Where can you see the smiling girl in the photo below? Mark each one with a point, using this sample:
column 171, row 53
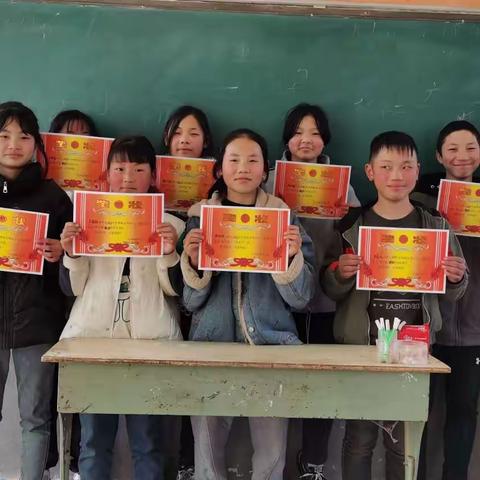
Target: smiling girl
column 262, row 314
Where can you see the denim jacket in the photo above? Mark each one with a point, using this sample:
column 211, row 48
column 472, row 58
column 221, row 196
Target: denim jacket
column 260, row 302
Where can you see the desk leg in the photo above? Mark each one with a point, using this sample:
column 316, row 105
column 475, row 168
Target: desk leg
column 413, row 439
column 65, row 442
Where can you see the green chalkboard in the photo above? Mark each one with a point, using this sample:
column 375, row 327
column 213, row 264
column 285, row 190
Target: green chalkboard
column 129, row 68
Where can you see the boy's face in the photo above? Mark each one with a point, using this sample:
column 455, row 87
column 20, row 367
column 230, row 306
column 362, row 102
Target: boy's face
column 460, row 155
column 394, row 173
column 129, row 177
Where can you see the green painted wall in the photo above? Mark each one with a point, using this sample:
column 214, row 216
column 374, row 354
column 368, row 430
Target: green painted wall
column 129, row 68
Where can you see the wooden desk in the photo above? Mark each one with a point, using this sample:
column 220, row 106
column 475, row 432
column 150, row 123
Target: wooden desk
column 187, row 378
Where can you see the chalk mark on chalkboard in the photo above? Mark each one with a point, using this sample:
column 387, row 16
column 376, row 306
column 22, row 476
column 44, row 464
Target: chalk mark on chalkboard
column 304, row 70
column 464, row 115
column 430, row 92
column 90, row 27
column 105, row 104
column 359, row 102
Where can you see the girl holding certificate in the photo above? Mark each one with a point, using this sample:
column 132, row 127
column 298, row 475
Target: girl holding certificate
column 187, row 134
column 251, row 308
column 131, row 299
column 72, row 122
column 458, row 342
column 32, row 306
column 306, row 133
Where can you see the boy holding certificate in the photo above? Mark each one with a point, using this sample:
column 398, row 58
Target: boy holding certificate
column 458, row 343
column 393, row 169
column 124, row 297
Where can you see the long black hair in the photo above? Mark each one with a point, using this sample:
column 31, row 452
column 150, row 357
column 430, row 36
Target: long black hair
column 296, row 115
column 174, row 121
column 71, row 116
column 219, row 185
column 28, row 122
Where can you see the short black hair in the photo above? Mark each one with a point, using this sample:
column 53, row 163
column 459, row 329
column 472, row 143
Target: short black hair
column 133, row 149
column 393, row 140
column 219, row 184
column 455, row 126
column 174, row 121
column 298, row 113
column 70, row 116
column 28, row 122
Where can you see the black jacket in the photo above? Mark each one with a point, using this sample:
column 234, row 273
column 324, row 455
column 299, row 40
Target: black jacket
column 461, row 319
column 32, row 307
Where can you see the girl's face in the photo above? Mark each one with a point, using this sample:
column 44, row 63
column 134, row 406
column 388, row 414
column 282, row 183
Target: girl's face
column 129, row 177
column 460, row 155
column 17, row 149
column 188, row 139
column 76, row 127
column 306, row 145
column 242, row 168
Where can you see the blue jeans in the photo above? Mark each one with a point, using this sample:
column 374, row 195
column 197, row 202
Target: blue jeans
column 98, row 432
column 358, row 445
column 269, row 441
column 35, row 383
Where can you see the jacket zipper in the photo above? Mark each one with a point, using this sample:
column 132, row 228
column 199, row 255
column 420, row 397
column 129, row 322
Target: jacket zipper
column 5, row 187
column 243, row 323
column 116, row 303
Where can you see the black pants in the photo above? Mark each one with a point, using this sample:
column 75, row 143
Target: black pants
column 186, row 453
column 315, row 328
column 462, row 388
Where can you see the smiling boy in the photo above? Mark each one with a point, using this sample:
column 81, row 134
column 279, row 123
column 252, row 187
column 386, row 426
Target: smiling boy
column 393, row 168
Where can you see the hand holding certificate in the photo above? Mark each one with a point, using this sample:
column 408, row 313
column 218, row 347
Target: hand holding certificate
column 21, row 234
column 459, row 203
column 115, row 224
column 313, row 190
column 406, row 260
column 245, row 239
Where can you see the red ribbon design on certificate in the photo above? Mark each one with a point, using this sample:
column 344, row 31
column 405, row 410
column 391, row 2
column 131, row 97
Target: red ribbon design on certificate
column 401, row 282
column 118, row 248
column 72, row 183
column 472, row 228
column 4, row 261
column 243, row 262
column 307, row 209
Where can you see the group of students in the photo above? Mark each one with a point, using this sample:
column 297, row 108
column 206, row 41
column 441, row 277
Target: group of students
column 314, row 301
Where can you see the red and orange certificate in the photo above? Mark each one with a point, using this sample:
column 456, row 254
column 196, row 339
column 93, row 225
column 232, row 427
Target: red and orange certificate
column 116, row 224
column 402, row 259
column 244, row 239
column 20, row 230
column 77, row 162
column 312, row 190
column 183, row 181
column 459, row 203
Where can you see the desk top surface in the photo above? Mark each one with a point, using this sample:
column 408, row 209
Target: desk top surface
column 234, row 355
